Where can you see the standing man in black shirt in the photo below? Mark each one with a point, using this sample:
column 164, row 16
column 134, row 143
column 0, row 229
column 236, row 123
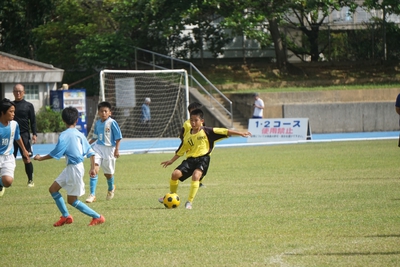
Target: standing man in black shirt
column 25, row 116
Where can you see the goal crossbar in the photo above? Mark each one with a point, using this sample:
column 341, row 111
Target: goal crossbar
column 126, row 90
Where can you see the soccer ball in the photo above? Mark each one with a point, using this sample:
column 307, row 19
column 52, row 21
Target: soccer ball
column 171, row 201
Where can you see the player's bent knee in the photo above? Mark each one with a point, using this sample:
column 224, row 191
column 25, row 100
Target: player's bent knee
column 197, row 175
column 55, row 187
column 7, row 181
column 176, row 175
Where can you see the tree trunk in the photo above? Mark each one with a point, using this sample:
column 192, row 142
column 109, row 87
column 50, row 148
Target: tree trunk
column 281, row 60
column 313, row 36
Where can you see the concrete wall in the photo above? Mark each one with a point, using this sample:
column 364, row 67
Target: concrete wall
column 346, row 117
column 329, row 111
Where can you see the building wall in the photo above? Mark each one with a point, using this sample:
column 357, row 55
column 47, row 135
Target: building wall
column 44, row 93
column 332, row 111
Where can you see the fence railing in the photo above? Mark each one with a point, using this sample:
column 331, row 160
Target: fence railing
column 196, row 78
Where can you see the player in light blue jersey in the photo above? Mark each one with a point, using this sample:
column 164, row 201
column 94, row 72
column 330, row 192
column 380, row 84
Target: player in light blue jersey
column 73, row 145
column 9, row 131
column 106, row 140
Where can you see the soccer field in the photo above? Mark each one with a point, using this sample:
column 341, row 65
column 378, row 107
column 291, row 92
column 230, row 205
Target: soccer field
column 311, row 204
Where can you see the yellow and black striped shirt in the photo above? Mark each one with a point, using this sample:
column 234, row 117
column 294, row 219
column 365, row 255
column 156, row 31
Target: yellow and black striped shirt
column 201, row 143
column 185, row 129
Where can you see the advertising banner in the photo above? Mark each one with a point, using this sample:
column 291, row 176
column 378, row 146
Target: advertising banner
column 279, row 129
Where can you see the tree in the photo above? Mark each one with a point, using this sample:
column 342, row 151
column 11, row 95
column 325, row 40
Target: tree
column 307, row 17
column 204, row 19
column 258, row 20
column 236, row 19
column 81, row 35
column 273, row 12
column 18, row 19
column 388, row 7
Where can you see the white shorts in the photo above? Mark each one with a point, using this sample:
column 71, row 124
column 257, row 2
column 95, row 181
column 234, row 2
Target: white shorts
column 104, row 158
column 71, row 179
column 7, row 165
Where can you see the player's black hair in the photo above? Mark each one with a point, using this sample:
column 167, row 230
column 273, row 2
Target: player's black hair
column 104, row 104
column 5, row 105
column 194, row 105
column 197, row 112
column 70, row 115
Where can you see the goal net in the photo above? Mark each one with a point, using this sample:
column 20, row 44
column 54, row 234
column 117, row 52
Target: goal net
column 127, row 90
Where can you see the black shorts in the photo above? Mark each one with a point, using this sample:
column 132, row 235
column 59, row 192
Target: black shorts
column 26, row 139
column 188, row 166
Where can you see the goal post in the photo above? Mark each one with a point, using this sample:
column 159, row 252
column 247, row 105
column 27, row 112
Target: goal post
column 126, row 90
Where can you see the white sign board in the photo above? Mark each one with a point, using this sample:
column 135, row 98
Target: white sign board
column 277, row 130
column 125, row 92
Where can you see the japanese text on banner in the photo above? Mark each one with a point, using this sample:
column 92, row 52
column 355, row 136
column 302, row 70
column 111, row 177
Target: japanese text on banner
column 287, row 129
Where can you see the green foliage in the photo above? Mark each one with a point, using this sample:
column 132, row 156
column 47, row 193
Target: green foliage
column 105, row 50
column 339, row 47
column 314, row 204
column 48, row 120
column 81, row 36
column 307, row 17
column 74, row 22
column 390, row 6
column 366, row 44
column 392, row 41
column 18, row 19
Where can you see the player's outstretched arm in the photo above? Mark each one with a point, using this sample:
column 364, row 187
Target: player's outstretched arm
column 40, row 158
column 243, row 134
column 165, row 164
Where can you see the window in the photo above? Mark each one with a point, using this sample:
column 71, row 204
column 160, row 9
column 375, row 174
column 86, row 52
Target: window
column 31, row 92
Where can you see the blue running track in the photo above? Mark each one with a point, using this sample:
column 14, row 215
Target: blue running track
column 131, row 146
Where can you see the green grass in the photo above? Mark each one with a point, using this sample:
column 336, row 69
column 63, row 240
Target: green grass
column 314, row 204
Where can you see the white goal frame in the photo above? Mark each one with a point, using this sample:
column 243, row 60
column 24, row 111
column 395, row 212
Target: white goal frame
column 122, row 80
column 103, row 72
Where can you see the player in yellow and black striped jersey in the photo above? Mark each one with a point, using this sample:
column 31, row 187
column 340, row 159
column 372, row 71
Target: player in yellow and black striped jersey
column 197, row 145
column 186, row 127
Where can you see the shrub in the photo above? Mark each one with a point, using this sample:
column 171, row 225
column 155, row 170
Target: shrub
column 48, row 120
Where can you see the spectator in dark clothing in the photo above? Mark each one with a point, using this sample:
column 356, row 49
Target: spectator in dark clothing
column 25, row 116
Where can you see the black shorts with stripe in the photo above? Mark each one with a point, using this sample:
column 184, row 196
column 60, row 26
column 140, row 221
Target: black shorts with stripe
column 188, row 166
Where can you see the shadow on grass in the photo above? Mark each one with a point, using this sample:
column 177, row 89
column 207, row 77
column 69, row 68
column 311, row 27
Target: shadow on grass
column 393, row 235
column 368, row 253
column 355, row 179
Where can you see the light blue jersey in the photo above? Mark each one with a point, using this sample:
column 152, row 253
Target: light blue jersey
column 73, row 145
column 107, row 132
column 8, row 134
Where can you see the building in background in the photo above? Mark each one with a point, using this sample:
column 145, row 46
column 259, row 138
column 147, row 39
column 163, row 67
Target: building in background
column 37, row 77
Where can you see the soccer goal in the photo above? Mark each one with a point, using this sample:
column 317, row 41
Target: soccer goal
column 127, row 90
